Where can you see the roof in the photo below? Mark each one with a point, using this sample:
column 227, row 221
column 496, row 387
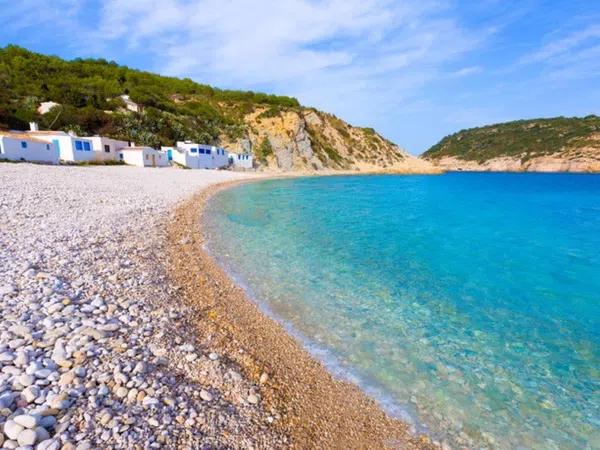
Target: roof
column 20, row 135
column 48, row 132
column 137, row 148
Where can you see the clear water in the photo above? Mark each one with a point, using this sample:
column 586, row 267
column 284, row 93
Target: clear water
column 470, row 302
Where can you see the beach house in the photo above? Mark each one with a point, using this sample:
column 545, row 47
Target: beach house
column 143, row 157
column 70, row 147
column 198, row 156
column 20, row 146
column 241, row 160
column 107, row 149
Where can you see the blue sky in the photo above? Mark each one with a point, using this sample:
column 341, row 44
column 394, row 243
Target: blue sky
column 415, row 70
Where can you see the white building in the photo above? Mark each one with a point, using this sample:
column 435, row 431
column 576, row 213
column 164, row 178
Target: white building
column 46, row 107
column 107, row 149
column 130, row 104
column 20, row 146
column 143, row 157
column 70, row 147
column 241, row 160
column 198, row 156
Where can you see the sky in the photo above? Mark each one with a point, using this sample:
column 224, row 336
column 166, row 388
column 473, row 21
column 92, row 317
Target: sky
column 415, row 70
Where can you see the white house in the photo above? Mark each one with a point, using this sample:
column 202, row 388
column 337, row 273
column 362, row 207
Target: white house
column 20, row 146
column 198, row 156
column 143, row 157
column 241, row 160
column 71, row 148
column 130, row 104
column 107, row 149
column 46, row 107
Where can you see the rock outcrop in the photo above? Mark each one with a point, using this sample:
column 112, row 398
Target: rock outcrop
column 304, row 139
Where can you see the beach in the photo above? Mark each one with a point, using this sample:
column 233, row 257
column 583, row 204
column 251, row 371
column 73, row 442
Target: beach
column 119, row 331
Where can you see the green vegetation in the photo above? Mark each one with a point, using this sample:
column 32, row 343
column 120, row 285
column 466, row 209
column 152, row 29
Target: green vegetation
column 264, row 150
column 324, row 151
column 523, row 139
column 88, row 92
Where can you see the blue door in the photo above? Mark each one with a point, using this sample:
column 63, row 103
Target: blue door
column 170, row 155
column 57, row 145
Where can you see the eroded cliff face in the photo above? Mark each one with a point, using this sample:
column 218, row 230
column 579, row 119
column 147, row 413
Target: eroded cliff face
column 310, row 140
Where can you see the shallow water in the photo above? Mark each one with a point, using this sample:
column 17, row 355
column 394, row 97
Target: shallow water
column 470, row 302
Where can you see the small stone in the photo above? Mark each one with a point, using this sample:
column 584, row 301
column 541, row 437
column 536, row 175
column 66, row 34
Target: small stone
column 12, row 429
column 41, row 434
column 43, row 373
column 26, row 420
column 66, row 378
column 121, row 392
column 253, row 399
column 153, row 422
column 48, row 444
column 84, row 445
column 31, row 393
column 150, row 401
column 263, row 378
column 213, row 356
column 206, row 396
column 26, row 438
column 140, row 368
column 26, row 380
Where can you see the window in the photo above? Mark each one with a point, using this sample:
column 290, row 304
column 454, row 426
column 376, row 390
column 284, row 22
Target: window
column 23, row 144
column 78, row 145
column 194, row 150
column 201, row 151
column 147, row 156
column 86, row 146
column 47, row 146
column 107, row 148
column 208, row 151
column 120, row 155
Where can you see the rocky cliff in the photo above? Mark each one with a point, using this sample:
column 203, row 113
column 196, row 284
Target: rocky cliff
column 304, row 139
column 540, row 145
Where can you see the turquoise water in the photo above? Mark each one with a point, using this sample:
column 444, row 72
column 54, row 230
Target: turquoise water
column 469, row 303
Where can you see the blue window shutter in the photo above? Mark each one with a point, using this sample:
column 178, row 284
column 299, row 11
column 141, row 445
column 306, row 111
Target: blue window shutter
column 78, row 145
column 23, row 144
column 86, row 146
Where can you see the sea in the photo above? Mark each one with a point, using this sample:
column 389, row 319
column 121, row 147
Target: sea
column 467, row 304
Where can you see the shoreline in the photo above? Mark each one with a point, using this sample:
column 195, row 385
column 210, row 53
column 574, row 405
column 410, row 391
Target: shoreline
column 310, row 406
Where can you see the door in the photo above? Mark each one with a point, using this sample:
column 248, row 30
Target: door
column 153, row 160
column 57, row 145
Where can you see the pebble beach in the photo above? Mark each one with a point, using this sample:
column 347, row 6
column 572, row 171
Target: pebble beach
column 95, row 351
column 112, row 337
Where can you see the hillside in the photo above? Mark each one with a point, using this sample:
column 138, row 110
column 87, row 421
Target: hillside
column 282, row 134
column 538, row 145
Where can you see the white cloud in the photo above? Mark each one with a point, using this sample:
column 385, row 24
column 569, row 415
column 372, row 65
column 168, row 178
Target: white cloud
column 565, row 45
column 359, row 58
column 466, row 71
column 573, row 56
